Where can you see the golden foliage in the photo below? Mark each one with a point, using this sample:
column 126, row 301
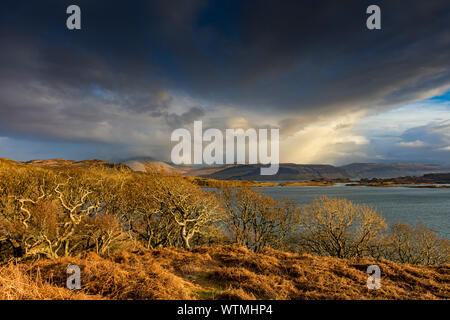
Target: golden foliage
column 221, row 273
column 67, row 211
column 340, row 228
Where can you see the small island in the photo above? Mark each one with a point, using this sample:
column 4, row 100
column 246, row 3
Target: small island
column 431, row 180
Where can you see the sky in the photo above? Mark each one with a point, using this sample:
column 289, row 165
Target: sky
column 137, row 70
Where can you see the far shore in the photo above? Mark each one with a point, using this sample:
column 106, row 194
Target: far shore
column 387, row 185
column 213, row 183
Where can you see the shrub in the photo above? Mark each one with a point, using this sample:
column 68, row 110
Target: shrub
column 339, row 228
column 187, row 207
column 254, row 220
column 60, row 212
column 416, row 244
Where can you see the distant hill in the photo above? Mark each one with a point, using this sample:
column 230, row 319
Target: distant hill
column 140, row 165
column 84, row 164
column 430, row 179
column 137, row 164
column 392, row 170
column 290, row 171
column 287, row 171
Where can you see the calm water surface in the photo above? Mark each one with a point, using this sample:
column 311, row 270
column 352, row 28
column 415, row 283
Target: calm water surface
column 409, row 205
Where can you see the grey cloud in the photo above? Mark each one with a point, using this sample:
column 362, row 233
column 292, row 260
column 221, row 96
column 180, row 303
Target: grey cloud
column 309, row 58
column 425, row 144
column 294, row 61
column 435, row 135
column 290, row 126
column 175, row 121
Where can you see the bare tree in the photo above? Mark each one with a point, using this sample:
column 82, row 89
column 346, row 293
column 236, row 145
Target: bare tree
column 45, row 222
column 255, row 220
column 416, row 244
column 74, row 199
column 339, row 228
column 187, row 205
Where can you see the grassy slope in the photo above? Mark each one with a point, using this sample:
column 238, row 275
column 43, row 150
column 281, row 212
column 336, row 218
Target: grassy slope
column 221, row 273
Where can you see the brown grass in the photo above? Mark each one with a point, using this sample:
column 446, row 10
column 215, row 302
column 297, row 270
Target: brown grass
column 221, row 273
column 17, row 284
column 214, row 183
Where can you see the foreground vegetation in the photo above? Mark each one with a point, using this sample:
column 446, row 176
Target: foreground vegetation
column 52, row 213
column 215, row 183
column 123, row 228
column 221, row 273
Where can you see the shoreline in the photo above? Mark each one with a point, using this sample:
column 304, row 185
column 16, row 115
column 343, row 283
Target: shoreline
column 214, row 183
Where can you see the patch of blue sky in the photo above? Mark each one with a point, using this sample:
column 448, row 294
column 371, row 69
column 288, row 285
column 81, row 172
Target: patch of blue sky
column 102, row 93
column 396, row 121
column 445, row 98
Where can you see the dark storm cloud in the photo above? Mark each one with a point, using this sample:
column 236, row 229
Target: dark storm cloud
column 295, row 59
column 305, row 55
column 176, row 121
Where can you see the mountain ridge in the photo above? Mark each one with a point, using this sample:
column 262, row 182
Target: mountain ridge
column 287, row 171
column 318, row 171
